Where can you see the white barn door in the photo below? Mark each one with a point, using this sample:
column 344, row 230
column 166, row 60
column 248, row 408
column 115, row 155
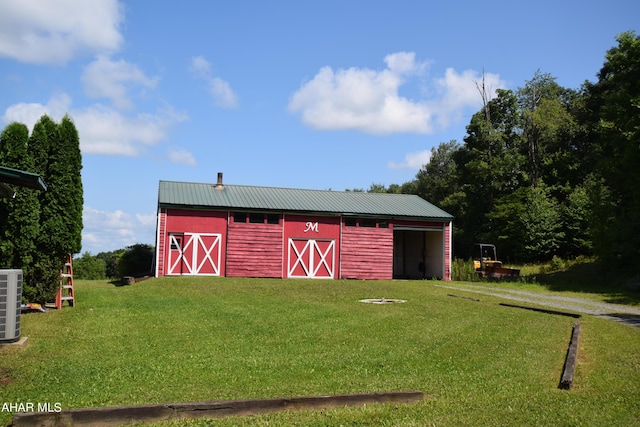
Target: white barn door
column 194, row 254
column 311, row 258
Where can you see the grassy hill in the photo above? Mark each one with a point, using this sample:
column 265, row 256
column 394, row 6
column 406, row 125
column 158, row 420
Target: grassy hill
column 186, row 339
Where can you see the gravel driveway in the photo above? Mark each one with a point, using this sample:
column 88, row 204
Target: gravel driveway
column 618, row 312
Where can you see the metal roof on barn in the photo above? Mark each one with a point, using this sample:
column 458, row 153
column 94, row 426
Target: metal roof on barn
column 253, row 198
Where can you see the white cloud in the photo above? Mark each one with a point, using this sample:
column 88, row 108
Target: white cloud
column 412, row 160
column 105, row 131
column 200, row 66
column 363, row 99
column 181, row 157
column 111, row 230
column 148, row 220
column 369, row 101
column 54, row 31
column 30, row 113
column 458, row 91
column 105, row 78
column 220, row 90
column 404, row 63
column 102, row 130
column 222, row 94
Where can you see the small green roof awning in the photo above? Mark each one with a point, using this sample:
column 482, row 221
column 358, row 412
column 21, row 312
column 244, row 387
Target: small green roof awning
column 21, row 178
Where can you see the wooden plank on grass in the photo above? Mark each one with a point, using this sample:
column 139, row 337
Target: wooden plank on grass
column 572, row 356
column 543, row 310
column 122, row 415
column 469, row 298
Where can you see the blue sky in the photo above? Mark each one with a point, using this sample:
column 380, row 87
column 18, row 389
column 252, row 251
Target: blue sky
column 321, row 95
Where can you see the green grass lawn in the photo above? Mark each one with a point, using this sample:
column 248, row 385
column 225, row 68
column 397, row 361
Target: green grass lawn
column 199, row 339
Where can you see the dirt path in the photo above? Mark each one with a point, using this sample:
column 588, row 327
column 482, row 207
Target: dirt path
column 618, row 312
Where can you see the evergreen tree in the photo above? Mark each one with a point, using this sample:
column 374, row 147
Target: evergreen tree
column 73, row 200
column 41, row 281
column 42, row 136
column 541, row 224
column 575, row 224
column 55, row 152
column 18, row 216
column 61, row 217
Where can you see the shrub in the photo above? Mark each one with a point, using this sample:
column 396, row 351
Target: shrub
column 89, row 267
column 557, row 263
column 41, row 282
column 462, row 270
column 136, row 261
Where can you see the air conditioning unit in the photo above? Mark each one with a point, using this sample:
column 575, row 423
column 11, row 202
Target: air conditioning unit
column 10, row 305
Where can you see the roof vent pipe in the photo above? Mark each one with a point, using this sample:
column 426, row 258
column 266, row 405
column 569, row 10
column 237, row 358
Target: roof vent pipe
column 219, row 183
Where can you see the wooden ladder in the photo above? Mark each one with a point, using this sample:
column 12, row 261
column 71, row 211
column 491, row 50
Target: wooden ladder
column 65, row 293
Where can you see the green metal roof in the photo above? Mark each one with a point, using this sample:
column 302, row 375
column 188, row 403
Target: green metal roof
column 21, row 178
column 241, row 197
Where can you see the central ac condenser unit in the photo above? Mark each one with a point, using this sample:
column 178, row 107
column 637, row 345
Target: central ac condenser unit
column 10, row 305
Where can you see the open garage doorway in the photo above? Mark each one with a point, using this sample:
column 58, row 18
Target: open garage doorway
column 418, row 253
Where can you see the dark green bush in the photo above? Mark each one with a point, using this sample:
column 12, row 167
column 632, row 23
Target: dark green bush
column 137, row 261
column 41, row 282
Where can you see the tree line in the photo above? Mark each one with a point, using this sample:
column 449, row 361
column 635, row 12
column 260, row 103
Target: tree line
column 135, row 260
column 39, row 229
column 545, row 170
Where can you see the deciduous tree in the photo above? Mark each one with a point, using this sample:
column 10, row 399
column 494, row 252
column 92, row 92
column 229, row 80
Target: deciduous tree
column 613, row 104
column 490, row 165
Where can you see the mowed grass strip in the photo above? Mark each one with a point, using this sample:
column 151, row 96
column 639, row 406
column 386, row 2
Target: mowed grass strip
column 198, row 339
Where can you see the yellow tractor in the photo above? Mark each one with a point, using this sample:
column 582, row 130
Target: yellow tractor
column 486, row 264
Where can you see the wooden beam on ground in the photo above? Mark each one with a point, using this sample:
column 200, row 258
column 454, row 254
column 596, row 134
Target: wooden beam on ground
column 122, row 415
column 458, row 296
column 572, row 356
column 543, row 310
column 572, row 353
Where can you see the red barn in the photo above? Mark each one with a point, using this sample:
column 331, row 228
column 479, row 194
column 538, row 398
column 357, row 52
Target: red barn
column 249, row 231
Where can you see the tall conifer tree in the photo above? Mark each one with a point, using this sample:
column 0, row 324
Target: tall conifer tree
column 73, row 199
column 41, row 284
column 20, row 215
column 55, row 150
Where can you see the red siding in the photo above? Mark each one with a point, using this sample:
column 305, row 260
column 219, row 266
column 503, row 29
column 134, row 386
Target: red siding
column 284, row 249
column 193, row 221
column 367, row 253
column 254, row 250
